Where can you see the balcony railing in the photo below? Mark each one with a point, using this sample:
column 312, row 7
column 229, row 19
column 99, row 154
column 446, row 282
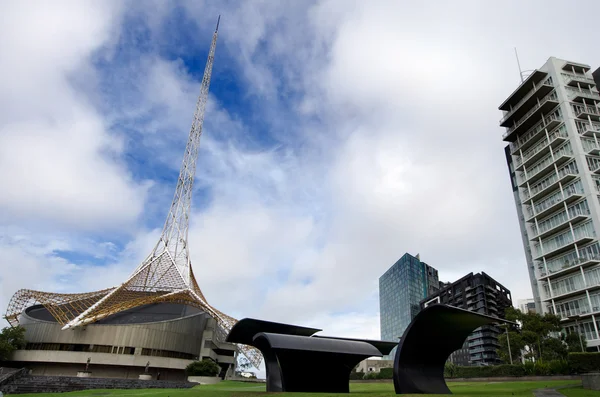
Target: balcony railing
column 547, row 82
column 533, row 132
column 553, row 244
column 582, row 93
column 559, row 132
column 541, row 166
column 551, row 201
column 570, row 285
column 561, row 218
column 582, row 111
column 565, row 173
column 586, row 128
column 573, row 79
column 552, row 96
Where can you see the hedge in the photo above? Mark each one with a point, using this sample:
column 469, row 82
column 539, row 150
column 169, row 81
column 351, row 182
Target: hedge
column 577, row 363
column 554, row 367
column 584, row 362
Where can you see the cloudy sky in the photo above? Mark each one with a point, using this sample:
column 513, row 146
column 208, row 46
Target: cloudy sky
column 339, row 135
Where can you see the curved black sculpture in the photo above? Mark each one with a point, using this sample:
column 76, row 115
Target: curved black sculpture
column 431, row 337
column 289, row 350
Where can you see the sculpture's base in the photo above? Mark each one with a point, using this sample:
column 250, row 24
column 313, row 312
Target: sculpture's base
column 84, row 374
column 145, row 377
column 591, row 381
column 204, row 380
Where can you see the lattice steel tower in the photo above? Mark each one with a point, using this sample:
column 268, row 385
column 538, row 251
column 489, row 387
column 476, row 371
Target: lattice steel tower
column 165, row 275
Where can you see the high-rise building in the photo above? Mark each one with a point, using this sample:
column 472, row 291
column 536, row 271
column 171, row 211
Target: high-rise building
column 526, row 305
column 553, row 128
column 401, row 288
column 482, row 294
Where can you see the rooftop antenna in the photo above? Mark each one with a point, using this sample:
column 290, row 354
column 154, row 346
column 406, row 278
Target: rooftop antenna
column 522, row 73
column 519, row 64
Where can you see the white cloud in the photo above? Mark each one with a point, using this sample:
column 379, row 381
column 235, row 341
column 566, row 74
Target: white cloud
column 56, row 156
column 400, row 148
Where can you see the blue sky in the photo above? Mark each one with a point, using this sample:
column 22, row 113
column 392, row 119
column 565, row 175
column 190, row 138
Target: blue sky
column 339, row 135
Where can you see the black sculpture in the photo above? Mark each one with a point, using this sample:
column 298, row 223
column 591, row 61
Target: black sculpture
column 431, row 337
column 289, row 350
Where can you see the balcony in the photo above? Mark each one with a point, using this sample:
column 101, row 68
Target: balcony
column 523, row 90
column 575, row 67
column 530, row 99
column 590, row 146
column 540, row 192
column 577, row 95
column 546, row 232
column 588, row 129
column 543, row 171
column 579, row 289
column 569, row 197
column 533, row 135
column 556, row 138
column 552, row 249
column 577, row 80
column 571, row 267
column 545, row 105
column 586, row 112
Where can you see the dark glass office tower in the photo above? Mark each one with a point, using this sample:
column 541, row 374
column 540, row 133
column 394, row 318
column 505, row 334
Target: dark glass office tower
column 401, row 289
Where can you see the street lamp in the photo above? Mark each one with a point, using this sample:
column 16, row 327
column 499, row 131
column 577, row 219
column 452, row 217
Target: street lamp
column 576, row 318
column 505, row 326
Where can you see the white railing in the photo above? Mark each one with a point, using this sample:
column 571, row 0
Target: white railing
column 547, row 81
column 559, row 132
column 583, row 126
column 562, row 217
column 547, row 160
column 575, row 92
column 552, row 96
column 576, row 77
column 533, row 131
column 563, row 239
column 578, row 109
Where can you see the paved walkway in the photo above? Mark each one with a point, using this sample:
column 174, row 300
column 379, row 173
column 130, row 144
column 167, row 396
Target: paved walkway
column 547, row 393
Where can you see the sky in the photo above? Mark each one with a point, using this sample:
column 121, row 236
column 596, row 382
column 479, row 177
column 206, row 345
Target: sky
column 339, row 135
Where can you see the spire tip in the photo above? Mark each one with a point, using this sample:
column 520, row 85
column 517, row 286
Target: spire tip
column 218, row 20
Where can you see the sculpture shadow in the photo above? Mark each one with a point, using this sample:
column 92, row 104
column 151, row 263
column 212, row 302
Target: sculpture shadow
column 435, row 332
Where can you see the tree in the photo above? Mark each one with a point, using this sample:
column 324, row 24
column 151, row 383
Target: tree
column 206, row 367
column 573, row 342
column 11, row 339
column 517, row 345
column 535, row 334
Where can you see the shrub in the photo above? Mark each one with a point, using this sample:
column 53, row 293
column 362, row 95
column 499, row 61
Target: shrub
column 354, row 375
column 206, row 367
column 559, row 367
column 584, row 362
column 386, row 373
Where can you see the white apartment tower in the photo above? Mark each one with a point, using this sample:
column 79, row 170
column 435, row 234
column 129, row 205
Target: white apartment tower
column 553, row 125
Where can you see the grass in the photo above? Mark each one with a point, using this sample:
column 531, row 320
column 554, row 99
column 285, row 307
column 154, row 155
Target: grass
column 579, row 392
column 241, row 389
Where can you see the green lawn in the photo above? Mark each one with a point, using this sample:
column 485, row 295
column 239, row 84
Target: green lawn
column 241, row 389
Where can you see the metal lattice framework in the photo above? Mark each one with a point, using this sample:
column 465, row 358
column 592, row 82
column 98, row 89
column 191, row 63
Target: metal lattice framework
column 165, row 275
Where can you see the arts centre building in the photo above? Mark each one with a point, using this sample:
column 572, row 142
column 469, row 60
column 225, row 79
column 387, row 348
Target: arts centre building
column 167, row 335
column 157, row 318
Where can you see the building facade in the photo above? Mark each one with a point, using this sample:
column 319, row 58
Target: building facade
column 482, row 294
column 553, row 128
column 401, row 288
column 526, row 305
column 168, row 336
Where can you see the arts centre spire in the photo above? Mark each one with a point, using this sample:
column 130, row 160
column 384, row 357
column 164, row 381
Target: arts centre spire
column 165, row 275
